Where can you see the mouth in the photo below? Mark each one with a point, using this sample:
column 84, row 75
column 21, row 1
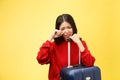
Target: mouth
column 66, row 36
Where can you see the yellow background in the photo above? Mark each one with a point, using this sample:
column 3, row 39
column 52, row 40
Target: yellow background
column 26, row 24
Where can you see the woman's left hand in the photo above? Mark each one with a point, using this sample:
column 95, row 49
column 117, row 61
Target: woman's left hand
column 76, row 39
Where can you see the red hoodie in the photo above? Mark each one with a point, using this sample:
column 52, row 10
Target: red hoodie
column 57, row 56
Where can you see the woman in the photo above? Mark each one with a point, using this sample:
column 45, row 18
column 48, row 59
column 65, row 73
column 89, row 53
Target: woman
column 55, row 52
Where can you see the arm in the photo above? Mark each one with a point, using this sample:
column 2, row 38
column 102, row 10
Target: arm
column 86, row 57
column 43, row 56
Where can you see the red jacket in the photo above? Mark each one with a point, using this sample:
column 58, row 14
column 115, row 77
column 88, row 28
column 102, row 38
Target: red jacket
column 57, row 56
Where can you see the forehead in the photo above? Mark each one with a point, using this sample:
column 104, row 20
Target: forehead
column 64, row 24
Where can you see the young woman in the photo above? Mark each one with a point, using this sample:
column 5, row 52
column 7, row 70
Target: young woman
column 55, row 52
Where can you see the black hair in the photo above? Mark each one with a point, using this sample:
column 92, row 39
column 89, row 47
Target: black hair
column 60, row 19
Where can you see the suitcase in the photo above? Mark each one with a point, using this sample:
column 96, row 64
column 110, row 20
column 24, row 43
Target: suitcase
column 79, row 72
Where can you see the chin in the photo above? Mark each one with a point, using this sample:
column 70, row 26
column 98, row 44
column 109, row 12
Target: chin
column 66, row 38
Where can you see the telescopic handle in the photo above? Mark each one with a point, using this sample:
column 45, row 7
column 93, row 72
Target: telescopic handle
column 69, row 53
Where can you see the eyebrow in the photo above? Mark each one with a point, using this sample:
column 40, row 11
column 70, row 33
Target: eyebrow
column 62, row 27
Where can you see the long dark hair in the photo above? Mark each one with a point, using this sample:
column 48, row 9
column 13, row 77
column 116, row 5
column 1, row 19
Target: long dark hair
column 60, row 19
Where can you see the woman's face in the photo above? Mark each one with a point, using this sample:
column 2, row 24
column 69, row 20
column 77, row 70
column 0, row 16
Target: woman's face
column 66, row 29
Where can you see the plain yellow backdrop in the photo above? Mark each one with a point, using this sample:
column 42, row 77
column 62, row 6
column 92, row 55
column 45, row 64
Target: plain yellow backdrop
column 26, row 24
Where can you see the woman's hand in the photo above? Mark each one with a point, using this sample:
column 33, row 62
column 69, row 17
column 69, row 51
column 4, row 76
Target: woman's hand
column 56, row 33
column 76, row 39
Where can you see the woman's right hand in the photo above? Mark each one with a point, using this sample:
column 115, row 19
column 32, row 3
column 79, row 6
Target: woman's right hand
column 56, row 33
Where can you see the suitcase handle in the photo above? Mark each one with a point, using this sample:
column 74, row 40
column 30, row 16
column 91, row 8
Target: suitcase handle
column 69, row 39
column 69, row 52
column 79, row 66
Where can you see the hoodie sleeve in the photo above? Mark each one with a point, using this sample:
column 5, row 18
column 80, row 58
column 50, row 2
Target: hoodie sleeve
column 86, row 56
column 43, row 56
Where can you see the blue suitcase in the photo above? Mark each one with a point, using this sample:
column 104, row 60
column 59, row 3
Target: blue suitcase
column 79, row 72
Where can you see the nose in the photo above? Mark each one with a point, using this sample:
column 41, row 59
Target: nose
column 66, row 31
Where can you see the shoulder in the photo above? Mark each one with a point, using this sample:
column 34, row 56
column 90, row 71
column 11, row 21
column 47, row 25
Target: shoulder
column 84, row 43
column 48, row 43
